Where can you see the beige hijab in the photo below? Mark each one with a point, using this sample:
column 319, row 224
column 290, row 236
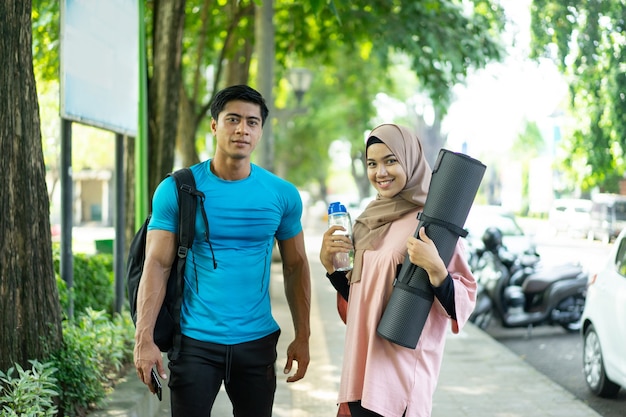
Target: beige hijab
column 375, row 220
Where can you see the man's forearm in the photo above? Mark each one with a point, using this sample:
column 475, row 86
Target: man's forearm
column 298, row 294
column 151, row 294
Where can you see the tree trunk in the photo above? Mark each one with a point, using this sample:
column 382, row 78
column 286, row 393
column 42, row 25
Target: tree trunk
column 129, row 193
column 240, row 45
column 239, row 66
column 164, row 88
column 363, row 185
column 187, row 130
column 30, row 312
column 431, row 136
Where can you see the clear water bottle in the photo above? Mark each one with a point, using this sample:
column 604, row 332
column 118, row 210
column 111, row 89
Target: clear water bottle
column 339, row 216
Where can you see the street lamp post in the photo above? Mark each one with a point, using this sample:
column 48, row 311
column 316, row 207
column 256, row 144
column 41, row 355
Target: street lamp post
column 300, row 80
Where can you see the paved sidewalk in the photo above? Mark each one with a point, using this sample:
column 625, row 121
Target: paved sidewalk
column 479, row 377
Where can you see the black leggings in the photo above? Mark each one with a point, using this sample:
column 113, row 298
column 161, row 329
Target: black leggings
column 247, row 370
column 357, row 410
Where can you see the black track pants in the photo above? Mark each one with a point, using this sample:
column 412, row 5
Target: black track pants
column 357, row 410
column 247, row 370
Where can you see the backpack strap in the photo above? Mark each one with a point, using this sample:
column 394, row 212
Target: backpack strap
column 188, row 197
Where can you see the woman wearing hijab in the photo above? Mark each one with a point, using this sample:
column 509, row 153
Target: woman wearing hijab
column 380, row 378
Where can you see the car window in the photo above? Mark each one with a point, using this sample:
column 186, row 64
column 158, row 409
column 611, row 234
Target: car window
column 620, row 210
column 478, row 222
column 620, row 259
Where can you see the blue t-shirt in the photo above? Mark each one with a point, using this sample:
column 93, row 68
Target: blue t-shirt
column 231, row 304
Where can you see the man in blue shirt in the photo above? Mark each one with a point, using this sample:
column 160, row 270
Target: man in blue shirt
column 228, row 332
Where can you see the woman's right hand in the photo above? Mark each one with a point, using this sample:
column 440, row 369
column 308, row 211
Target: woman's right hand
column 333, row 244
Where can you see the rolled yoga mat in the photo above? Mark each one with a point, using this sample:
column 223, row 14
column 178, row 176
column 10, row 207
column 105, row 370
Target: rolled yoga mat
column 453, row 186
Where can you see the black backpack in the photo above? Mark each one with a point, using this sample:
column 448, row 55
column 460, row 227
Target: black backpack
column 167, row 327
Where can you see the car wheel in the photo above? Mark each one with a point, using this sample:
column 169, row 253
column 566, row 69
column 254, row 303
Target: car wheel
column 593, row 366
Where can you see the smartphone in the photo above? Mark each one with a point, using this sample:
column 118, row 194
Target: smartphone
column 156, row 384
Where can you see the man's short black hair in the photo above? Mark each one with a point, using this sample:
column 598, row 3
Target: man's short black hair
column 238, row 92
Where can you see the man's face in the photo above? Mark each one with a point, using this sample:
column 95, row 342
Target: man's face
column 238, row 129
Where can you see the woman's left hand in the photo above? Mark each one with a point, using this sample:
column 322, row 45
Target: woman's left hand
column 423, row 253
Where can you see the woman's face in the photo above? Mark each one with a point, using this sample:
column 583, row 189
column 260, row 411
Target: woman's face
column 384, row 171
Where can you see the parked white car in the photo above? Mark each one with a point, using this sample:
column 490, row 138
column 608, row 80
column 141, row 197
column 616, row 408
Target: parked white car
column 604, row 325
column 571, row 216
column 482, row 217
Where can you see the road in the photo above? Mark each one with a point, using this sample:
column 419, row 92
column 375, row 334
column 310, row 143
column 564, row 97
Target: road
column 551, row 350
column 558, row 355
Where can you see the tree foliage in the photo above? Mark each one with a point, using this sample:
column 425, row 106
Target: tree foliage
column 338, row 106
column 351, row 45
column 443, row 39
column 46, row 24
column 587, row 39
column 354, row 49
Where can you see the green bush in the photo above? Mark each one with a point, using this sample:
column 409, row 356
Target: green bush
column 97, row 347
column 94, row 351
column 31, row 393
column 94, row 281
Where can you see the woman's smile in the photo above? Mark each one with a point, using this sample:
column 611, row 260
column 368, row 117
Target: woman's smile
column 384, row 171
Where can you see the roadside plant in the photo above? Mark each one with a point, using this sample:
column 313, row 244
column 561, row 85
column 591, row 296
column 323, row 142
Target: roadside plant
column 29, row 393
column 95, row 350
column 93, row 282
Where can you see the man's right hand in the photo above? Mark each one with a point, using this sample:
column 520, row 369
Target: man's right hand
column 146, row 356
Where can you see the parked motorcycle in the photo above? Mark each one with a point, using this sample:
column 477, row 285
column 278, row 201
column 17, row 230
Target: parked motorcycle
column 520, row 292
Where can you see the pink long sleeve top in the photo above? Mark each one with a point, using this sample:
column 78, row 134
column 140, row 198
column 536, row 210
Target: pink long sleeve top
column 387, row 378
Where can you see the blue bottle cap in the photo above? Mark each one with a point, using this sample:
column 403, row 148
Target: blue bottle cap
column 336, row 207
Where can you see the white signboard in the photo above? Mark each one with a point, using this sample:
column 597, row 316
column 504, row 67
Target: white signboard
column 99, row 63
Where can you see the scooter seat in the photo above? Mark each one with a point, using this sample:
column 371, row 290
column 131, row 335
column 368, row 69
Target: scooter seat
column 543, row 278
